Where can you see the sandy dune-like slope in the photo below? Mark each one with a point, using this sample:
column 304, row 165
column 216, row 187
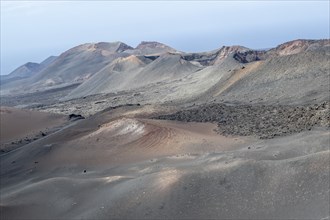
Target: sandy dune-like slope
column 119, row 165
column 293, row 79
column 115, row 76
column 19, row 124
column 132, row 72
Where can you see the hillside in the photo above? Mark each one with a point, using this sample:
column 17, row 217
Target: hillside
column 293, row 79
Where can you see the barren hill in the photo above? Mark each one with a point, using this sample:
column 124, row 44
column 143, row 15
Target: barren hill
column 111, row 78
column 23, row 71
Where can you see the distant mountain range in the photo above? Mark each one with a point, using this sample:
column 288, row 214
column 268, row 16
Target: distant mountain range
column 112, row 67
column 27, row 70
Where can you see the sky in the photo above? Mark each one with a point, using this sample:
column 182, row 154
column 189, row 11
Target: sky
column 31, row 31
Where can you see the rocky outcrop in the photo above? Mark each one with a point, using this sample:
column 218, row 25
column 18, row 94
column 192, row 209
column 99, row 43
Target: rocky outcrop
column 214, row 57
column 205, row 59
column 288, row 48
column 250, row 56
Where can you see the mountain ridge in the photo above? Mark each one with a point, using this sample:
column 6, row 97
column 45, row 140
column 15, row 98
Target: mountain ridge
column 81, row 62
column 154, row 44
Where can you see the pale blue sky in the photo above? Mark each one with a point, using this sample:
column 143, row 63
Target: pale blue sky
column 34, row 30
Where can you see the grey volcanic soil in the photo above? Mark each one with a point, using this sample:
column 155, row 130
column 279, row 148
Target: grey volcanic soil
column 37, row 99
column 258, row 120
column 119, row 163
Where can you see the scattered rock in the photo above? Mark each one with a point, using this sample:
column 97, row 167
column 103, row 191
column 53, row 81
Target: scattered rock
column 99, row 102
column 74, row 117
